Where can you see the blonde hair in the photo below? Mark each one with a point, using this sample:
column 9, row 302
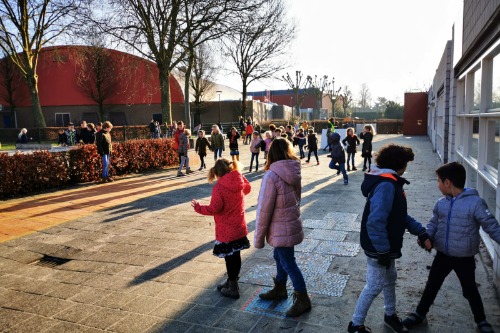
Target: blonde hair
column 202, row 132
column 370, row 129
column 187, row 132
column 268, row 134
column 222, row 167
column 107, row 124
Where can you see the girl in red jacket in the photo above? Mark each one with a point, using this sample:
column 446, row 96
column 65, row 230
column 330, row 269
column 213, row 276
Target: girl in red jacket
column 228, row 209
column 279, row 222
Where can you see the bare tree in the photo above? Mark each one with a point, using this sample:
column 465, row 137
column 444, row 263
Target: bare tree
column 318, row 88
column 10, row 80
column 297, row 86
column 203, row 74
column 380, row 106
column 97, row 74
column 25, row 27
column 346, row 99
column 364, row 97
column 257, row 46
column 161, row 31
column 334, row 96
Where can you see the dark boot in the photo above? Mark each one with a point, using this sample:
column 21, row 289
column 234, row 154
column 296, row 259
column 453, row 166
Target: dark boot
column 277, row 293
column 233, row 291
column 223, row 285
column 301, row 304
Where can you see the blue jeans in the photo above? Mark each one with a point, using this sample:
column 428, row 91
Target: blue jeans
column 287, row 266
column 378, row 279
column 301, row 150
column 256, row 157
column 217, row 150
column 105, row 166
column 340, row 167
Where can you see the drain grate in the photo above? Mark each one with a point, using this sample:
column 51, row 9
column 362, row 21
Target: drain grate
column 49, row 261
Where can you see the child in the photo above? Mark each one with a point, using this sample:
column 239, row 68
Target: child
column 91, row 133
column 301, row 141
column 105, row 148
column 233, row 137
column 454, row 232
column 61, row 138
column 278, row 221
column 366, row 148
column 183, row 152
column 255, row 150
column 338, row 157
column 22, row 137
column 312, row 143
column 269, row 138
column 352, row 141
column 217, row 141
column 201, row 148
column 228, row 209
column 249, row 132
column 383, row 225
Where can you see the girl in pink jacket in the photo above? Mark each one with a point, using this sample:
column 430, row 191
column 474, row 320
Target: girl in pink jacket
column 278, row 221
column 228, row 209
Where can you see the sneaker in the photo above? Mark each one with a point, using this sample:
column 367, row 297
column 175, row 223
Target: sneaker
column 330, row 155
column 348, row 168
column 485, row 327
column 180, row 174
column 346, row 182
column 307, row 161
column 395, row 323
column 318, row 163
column 414, row 319
column 358, row 329
column 338, row 172
column 110, row 179
column 188, row 171
column 201, row 168
column 354, row 169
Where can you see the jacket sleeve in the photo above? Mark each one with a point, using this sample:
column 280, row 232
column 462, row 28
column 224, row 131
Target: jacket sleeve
column 246, row 186
column 380, row 208
column 344, row 141
column 196, row 146
column 357, row 140
column 414, row 227
column 215, row 207
column 433, row 222
column 487, row 221
column 265, row 208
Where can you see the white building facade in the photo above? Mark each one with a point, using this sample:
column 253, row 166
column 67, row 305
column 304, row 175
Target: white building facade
column 464, row 105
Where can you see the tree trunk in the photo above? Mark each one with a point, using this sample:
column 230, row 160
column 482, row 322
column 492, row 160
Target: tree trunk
column 32, row 81
column 244, row 99
column 187, row 78
column 166, row 104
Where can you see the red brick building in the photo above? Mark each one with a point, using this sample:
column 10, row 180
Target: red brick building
column 132, row 98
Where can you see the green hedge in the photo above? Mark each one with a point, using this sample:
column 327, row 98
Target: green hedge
column 29, row 173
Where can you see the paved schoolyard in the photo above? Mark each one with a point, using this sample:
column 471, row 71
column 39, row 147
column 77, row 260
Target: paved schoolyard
column 132, row 256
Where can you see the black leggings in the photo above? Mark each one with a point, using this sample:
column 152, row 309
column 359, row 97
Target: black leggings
column 465, row 269
column 369, row 159
column 202, row 160
column 233, row 265
column 315, row 151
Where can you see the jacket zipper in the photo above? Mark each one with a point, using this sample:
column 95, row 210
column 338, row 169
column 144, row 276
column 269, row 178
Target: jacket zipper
column 448, row 225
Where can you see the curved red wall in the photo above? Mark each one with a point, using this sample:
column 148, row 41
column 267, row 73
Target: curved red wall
column 57, row 72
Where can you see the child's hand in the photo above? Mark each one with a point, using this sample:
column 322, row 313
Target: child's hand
column 424, row 241
column 194, row 203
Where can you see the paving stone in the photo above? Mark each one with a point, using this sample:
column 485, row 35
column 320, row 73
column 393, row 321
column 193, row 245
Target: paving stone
column 104, row 319
column 116, row 300
column 338, row 248
column 10, row 318
column 171, row 326
column 90, row 295
column 331, row 235
column 237, row 321
column 77, row 312
column 135, row 323
column 269, row 324
column 319, row 224
column 50, row 306
column 203, row 315
column 172, row 309
column 143, row 304
column 31, row 324
column 65, row 327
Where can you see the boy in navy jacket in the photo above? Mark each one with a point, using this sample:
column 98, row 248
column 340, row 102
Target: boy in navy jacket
column 454, row 232
column 385, row 219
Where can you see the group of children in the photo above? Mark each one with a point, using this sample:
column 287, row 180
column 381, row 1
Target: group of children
column 453, row 230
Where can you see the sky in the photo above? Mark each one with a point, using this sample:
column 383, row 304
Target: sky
column 394, row 46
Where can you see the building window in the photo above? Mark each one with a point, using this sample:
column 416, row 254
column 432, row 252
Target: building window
column 474, row 141
column 460, row 133
column 495, row 89
column 117, row 118
column 492, row 145
column 62, row 119
column 477, row 89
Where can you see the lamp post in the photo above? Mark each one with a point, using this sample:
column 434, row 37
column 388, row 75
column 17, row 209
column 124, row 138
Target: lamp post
column 219, row 92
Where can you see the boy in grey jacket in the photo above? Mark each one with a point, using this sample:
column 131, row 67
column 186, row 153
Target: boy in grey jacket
column 454, row 231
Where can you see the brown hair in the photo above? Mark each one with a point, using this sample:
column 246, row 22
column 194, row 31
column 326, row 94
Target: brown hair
column 280, row 149
column 393, row 156
column 222, row 167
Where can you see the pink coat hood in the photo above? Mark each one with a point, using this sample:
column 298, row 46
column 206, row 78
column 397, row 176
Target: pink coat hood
column 278, row 211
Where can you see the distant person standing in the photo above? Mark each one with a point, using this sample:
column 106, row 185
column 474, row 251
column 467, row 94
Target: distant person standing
column 366, row 148
column 312, row 145
column 248, row 132
column 201, row 148
column 105, row 148
column 71, row 135
column 22, row 137
column 85, row 136
column 217, row 142
column 352, row 141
